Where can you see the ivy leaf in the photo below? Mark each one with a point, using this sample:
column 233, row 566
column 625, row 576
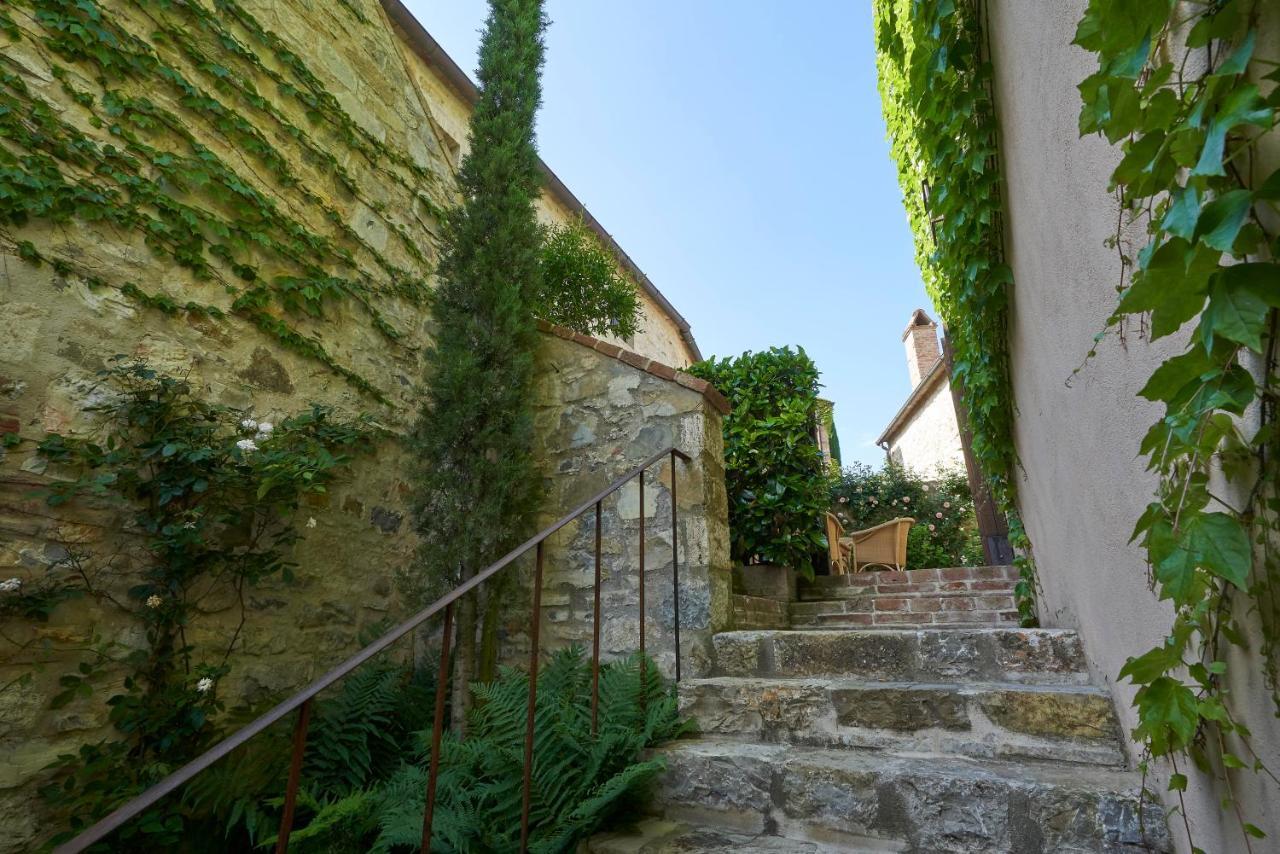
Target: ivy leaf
column 1220, row 220
column 1244, row 106
column 1167, row 711
column 1222, row 545
column 1175, row 566
column 1238, row 61
column 1236, row 313
column 1183, row 214
column 1151, row 665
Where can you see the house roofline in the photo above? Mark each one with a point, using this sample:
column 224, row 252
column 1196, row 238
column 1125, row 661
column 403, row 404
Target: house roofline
column 937, row 374
column 430, row 51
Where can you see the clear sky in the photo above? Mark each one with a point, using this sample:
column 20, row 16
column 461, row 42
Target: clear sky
column 736, row 151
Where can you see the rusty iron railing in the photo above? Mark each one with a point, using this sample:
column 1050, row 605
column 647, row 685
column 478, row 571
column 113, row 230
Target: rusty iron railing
column 302, row 700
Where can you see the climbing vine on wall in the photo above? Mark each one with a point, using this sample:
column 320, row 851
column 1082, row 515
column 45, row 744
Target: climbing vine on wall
column 1182, row 90
column 159, row 122
column 935, row 91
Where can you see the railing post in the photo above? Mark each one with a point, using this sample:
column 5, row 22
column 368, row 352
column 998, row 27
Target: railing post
column 595, row 638
column 533, row 699
column 642, row 661
column 295, row 774
column 675, row 561
column 437, row 728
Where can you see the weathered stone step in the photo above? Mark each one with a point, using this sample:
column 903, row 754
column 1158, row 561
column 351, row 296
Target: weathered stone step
column 995, row 609
column 660, row 836
column 874, row 801
column 970, row 580
column 1025, row 656
column 981, row 720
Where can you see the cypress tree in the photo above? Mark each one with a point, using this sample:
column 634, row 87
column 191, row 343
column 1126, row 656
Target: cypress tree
column 476, row 482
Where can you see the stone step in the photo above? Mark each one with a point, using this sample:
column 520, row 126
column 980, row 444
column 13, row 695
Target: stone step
column 965, row 580
column 757, row 612
column 1025, row 656
column 981, row 720
column 928, row 610
column 865, row 800
column 661, row 836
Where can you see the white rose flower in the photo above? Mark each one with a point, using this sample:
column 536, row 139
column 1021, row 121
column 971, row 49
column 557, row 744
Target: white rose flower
column 154, row 601
column 311, row 521
column 249, row 424
column 938, row 515
column 933, row 527
column 205, row 685
column 11, row 585
column 247, row 445
column 266, row 427
column 906, row 499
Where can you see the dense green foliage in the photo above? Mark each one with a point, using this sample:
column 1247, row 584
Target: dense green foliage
column 212, row 494
column 147, row 86
column 364, row 783
column 1179, row 88
column 935, row 87
column 774, row 473
column 476, row 483
column 946, row 529
column 581, row 287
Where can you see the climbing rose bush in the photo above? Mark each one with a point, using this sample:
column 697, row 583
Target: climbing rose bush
column 946, row 529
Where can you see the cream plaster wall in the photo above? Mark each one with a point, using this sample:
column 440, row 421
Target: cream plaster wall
column 1083, row 485
column 930, row 441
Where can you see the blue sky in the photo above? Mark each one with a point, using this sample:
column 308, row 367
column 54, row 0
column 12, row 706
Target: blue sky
column 737, row 152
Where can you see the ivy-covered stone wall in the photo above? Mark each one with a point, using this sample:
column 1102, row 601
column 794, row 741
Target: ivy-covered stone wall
column 246, row 193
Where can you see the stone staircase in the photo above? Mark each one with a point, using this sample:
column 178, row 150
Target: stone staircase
column 947, row 736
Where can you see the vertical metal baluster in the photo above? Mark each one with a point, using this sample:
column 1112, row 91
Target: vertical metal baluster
column 595, row 638
column 675, row 561
column 642, row 661
column 437, row 728
column 295, row 773
column 533, row 698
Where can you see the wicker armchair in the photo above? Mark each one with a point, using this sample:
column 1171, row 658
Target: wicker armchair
column 880, row 545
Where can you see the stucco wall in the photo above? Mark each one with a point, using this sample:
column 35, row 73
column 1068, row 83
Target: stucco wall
column 1084, row 486
column 930, row 440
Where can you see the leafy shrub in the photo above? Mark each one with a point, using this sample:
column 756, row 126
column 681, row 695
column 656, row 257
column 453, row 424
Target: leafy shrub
column 581, row 286
column 777, row 483
column 946, row 529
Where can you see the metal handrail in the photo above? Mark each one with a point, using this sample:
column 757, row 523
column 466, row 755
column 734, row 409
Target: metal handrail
column 302, row 699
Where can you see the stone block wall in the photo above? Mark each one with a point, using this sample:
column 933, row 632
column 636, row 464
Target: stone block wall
column 61, row 320
column 599, row 413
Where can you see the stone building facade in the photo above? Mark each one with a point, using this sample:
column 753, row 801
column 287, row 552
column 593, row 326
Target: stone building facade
column 924, row 435
column 367, row 173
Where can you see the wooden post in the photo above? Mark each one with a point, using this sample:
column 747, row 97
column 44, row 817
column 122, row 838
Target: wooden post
column 992, row 526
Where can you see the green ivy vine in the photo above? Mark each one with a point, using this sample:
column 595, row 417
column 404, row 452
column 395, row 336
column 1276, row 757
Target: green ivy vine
column 1181, row 89
column 127, row 147
column 935, row 90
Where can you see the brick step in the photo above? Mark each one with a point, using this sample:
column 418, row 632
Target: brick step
column 866, row 800
column 976, row 580
column 1025, row 656
column 990, row 608
column 1067, row 723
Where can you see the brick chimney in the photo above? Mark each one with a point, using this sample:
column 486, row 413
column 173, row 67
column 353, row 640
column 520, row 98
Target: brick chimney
column 923, row 350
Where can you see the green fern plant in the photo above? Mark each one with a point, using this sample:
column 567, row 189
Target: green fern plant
column 579, row 780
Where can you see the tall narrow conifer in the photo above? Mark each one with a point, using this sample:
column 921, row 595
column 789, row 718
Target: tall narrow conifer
column 476, row 482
